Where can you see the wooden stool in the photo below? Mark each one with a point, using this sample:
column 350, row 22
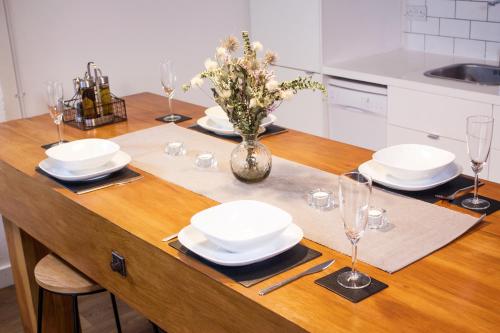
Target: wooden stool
column 54, row 275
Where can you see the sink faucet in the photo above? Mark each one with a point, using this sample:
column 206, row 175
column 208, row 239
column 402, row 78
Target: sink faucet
column 493, row 2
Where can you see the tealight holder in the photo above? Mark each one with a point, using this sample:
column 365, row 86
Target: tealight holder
column 175, row 148
column 377, row 218
column 205, row 160
column 320, row 199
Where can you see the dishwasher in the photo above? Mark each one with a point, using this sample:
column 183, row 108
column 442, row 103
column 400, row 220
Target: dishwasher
column 357, row 113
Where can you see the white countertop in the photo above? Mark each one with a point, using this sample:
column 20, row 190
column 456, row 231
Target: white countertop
column 405, row 69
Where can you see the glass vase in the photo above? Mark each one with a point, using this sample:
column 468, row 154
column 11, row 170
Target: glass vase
column 251, row 161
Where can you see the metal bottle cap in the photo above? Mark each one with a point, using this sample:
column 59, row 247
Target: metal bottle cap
column 86, row 83
column 103, row 80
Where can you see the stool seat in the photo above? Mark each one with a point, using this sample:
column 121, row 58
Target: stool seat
column 55, row 275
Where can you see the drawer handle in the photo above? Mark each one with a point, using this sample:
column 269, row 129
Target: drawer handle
column 433, row 136
column 118, row 264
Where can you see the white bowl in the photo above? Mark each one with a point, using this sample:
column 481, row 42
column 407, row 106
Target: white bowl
column 82, row 154
column 413, row 161
column 218, row 116
column 221, row 120
column 242, row 225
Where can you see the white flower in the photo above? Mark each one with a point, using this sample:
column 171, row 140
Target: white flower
column 272, row 85
column 225, row 93
column 210, row 64
column 196, row 81
column 253, row 102
column 257, row 46
column 221, row 51
column 286, row 94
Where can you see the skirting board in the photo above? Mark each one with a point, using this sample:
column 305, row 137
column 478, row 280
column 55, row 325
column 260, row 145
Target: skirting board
column 6, row 276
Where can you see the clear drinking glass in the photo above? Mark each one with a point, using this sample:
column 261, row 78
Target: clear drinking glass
column 479, row 134
column 55, row 102
column 168, row 81
column 354, row 203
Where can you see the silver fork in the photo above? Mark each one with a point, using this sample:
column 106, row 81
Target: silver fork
column 454, row 194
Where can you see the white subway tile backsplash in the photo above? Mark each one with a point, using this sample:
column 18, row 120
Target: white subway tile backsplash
column 468, row 28
column 494, row 13
column 454, row 28
column 493, row 51
column 472, row 10
column 441, row 8
column 469, row 48
column 431, row 26
column 489, row 31
column 438, row 44
column 415, row 42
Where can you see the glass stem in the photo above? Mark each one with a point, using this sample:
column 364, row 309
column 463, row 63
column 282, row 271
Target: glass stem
column 170, row 110
column 60, row 131
column 476, row 180
column 354, row 257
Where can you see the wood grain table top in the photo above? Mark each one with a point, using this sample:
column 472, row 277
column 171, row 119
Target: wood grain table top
column 456, row 288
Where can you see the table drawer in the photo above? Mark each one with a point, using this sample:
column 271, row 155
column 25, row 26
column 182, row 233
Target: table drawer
column 398, row 135
column 440, row 115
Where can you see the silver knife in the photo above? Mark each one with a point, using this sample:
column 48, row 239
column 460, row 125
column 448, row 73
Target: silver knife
column 312, row 270
column 123, row 182
column 170, row 237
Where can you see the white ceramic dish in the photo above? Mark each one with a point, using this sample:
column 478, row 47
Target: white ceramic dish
column 380, row 175
column 118, row 162
column 196, row 242
column 208, row 124
column 241, row 225
column 220, row 119
column 82, row 154
column 414, row 161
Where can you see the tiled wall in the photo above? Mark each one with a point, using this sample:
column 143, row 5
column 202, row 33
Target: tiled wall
column 456, row 27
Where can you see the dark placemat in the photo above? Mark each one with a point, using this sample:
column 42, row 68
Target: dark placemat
column 354, row 295
column 249, row 275
column 50, row 145
column 270, row 130
column 429, row 195
column 494, row 204
column 183, row 118
column 122, row 176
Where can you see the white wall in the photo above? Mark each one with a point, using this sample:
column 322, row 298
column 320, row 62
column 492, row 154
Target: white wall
column 461, row 28
column 55, row 39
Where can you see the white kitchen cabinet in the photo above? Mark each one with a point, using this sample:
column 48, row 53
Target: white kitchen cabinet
column 494, row 163
column 435, row 114
column 292, row 28
column 398, row 135
column 306, row 110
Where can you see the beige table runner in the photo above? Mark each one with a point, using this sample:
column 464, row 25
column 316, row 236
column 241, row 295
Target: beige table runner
column 417, row 228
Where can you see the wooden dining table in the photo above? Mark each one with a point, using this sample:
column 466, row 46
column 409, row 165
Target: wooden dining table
column 456, row 288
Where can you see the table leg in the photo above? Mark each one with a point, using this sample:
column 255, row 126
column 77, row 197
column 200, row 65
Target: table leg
column 24, row 253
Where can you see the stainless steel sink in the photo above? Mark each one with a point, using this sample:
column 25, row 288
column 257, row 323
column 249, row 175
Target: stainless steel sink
column 471, row 73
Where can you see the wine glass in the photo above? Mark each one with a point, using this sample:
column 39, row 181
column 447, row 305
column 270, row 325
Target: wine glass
column 55, row 104
column 354, row 203
column 168, row 80
column 479, row 134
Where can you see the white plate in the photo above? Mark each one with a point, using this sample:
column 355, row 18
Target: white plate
column 241, row 225
column 196, row 242
column 414, row 161
column 119, row 161
column 209, row 124
column 380, row 175
column 82, row 154
column 219, row 118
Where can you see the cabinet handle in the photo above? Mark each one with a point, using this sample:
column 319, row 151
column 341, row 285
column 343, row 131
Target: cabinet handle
column 433, row 136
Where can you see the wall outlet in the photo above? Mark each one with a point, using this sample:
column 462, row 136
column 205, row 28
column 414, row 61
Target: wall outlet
column 416, row 13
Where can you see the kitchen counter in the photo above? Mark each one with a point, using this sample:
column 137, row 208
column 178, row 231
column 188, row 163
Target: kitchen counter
column 405, row 69
column 180, row 293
